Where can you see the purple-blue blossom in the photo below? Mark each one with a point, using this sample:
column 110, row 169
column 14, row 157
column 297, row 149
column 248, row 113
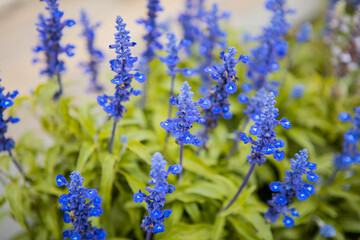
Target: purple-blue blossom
column 350, row 152
column 298, row 91
column 327, row 231
column 95, row 55
column 156, row 197
column 266, row 142
column 226, row 76
column 6, row 101
column 254, row 105
column 304, row 33
column 293, row 186
column 187, row 115
column 50, row 32
column 79, row 205
column 123, row 66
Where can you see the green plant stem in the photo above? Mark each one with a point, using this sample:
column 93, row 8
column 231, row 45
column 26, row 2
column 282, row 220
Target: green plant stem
column 148, row 235
column 60, row 91
column 111, row 143
column 17, row 165
column 181, row 163
column 169, row 111
column 241, row 187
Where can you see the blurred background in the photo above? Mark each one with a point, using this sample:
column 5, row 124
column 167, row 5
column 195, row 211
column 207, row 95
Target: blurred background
column 18, row 36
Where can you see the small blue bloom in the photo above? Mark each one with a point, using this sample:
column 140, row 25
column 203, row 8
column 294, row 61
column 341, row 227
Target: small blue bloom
column 122, row 65
column 254, row 105
column 327, row 230
column 156, row 198
column 298, row 91
column 96, row 56
column 79, row 205
column 266, row 142
column 187, row 115
column 304, row 33
column 6, row 101
column 50, row 32
column 293, row 186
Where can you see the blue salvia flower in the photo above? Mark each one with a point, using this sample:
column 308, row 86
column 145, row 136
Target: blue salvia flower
column 266, row 142
column 304, row 33
column 152, row 33
column 172, row 59
column 156, row 198
column 327, row 231
column 225, row 76
column 209, row 40
column 122, row 65
column 293, row 186
column 271, row 47
column 189, row 20
column 187, row 115
column 6, row 101
column 79, row 205
column 96, row 56
column 50, row 32
column 297, row 91
column 350, row 153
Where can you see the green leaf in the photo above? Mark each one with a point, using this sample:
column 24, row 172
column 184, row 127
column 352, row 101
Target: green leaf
column 14, row 197
column 182, row 231
column 107, row 177
column 50, row 162
column 86, row 151
column 196, row 165
column 219, row 227
column 134, row 183
column 193, row 211
column 258, row 221
column 242, row 229
column 140, row 150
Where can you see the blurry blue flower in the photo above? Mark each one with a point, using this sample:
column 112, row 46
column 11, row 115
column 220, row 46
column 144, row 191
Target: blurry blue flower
column 172, row 59
column 155, row 200
column 327, row 230
column 50, row 32
column 79, row 205
column 96, row 56
column 185, row 117
column 255, row 105
column 152, row 33
column 304, row 33
column 226, row 76
column 350, row 153
column 6, row 101
column 293, row 186
column 298, row 90
column 266, row 142
column 122, row 65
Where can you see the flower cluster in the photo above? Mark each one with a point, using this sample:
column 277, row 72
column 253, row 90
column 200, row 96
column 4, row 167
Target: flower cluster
column 96, row 56
column 266, row 142
column 294, row 186
column 156, row 198
column 187, row 115
column 172, row 59
column 350, row 153
column 209, row 40
column 50, row 32
column 272, row 47
column 122, row 65
column 225, row 75
column 304, row 33
column 78, row 209
column 152, row 32
column 6, row 101
column 255, row 104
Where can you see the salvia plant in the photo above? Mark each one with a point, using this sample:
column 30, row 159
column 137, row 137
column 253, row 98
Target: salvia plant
column 96, row 56
column 228, row 155
column 50, row 32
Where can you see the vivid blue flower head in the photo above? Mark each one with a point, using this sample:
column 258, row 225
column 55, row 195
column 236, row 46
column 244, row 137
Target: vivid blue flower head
column 327, row 231
column 6, row 101
column 272, row 47
column 172, row 59
column 96, row 56
column 50, row 32
column 304, row 33
column 225, row 76
column 157, row 196
column 213, row 37
column 255, row 104
column 122, row 65
column 152, row 33
column 350, row 153
column 79, row 205
column 187, row 115
column 293, row 186
column 266, row 142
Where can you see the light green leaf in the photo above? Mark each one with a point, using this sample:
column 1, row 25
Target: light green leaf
column 107, row 177
column 258, row 221
column 140, row 150
column 86, row 151
column 219, row 226
column 183, row 231
column 14, row 197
